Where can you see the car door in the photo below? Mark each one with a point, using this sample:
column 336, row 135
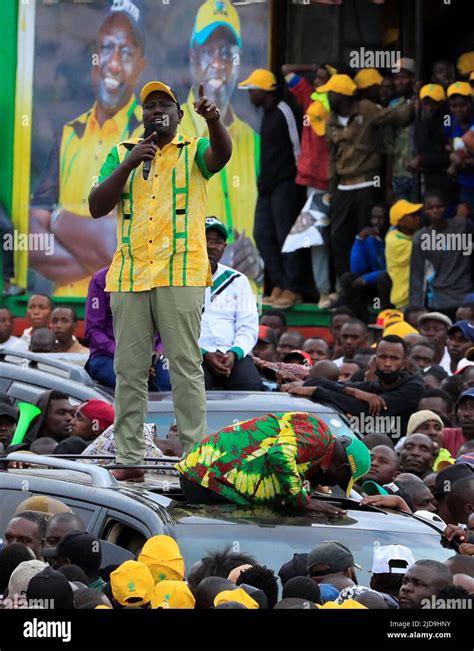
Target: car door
column 123, row 530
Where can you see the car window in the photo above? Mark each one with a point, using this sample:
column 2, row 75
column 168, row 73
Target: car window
column 216, row 420
column 30, row 393
column 4, row 384
column 27, row 392
column 124, row 531
column 10, row 500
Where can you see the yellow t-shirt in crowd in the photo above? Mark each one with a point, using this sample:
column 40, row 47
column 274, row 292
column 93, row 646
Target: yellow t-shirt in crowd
column 398, row 249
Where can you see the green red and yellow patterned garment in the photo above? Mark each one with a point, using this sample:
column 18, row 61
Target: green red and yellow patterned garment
column 263, row 460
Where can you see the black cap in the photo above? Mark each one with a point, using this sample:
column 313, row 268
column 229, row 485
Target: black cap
column 256, row 594
column 292, row 603
column 332, row 555
column 80, row 548
column 295, row 567
column 6, row 409
column 392, row 488
column 52, row 588
column 446, row 477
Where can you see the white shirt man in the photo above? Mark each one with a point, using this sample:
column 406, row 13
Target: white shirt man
column 229, row 326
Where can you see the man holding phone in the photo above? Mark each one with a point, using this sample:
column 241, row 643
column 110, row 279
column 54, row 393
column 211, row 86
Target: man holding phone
column 160, row 270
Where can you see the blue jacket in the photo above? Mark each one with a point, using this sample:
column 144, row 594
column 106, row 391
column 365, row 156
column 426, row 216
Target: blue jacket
column 368, row 258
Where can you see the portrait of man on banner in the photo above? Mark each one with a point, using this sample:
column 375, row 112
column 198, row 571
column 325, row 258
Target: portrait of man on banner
column 99, row 55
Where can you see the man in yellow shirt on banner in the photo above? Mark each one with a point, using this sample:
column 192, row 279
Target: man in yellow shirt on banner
column 160, row 269
column 215, row 61
column 60, row 202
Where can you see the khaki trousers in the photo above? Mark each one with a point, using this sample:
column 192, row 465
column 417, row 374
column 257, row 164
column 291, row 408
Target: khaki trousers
column 176, row 313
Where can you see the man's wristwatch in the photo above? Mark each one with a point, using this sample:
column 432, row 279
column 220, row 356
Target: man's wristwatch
column 55, row 215
column 217, row 117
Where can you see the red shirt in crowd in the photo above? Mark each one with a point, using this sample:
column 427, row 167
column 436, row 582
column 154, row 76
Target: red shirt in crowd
column 313, row 164
column 453, row 438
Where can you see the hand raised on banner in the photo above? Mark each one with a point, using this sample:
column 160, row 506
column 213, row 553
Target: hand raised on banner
column 206, row 107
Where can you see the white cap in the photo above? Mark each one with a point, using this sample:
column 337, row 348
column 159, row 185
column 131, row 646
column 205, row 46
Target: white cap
column 385, row 556
column 406, row 64
column 22, row 575
column 431, row 517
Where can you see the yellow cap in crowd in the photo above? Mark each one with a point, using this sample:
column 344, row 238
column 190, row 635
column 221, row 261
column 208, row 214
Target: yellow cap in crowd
column 239, row 595
column 460, row 88
column 347, row 604
column 317, row 114
column 401, row 328
column 465, row 63
column 434, row 91
column 341, row 84
column 368, row 77
column 162, row 556
column 172, row 594
column 132, row 584
column 259, row 79
column 402, row 208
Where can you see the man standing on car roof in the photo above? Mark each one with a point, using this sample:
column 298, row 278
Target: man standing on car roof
column 160, row 270
column 269, row 460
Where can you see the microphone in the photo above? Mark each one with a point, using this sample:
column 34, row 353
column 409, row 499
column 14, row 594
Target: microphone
column 147, row 163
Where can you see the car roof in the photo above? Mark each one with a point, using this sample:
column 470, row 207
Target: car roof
column 48, row 381
column 235, row 400
column 153, row 492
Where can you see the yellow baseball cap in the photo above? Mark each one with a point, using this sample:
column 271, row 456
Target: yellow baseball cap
column 261, row 79
column 341, row 84
column 213, row 14
column 132, row 584
column 172, row 594
column 368, row 77
column 434, row 91
column 402, row 208
column 402, row 329
column 239, row 595
column 317, row 114
column 153, row 86
column 162, row 556
column 465, row 63
column 460, row 88
column 347, row 604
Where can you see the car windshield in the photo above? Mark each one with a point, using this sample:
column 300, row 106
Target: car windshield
column 216, row 420
column 274, row 546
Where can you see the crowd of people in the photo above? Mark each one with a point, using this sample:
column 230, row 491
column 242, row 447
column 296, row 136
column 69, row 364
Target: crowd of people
column 387, row 165
column 50, row 561
column 343, row 177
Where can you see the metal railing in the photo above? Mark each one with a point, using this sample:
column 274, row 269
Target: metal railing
column 100, row 477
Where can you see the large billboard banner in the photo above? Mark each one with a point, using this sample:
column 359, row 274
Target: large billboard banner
column 80, row 70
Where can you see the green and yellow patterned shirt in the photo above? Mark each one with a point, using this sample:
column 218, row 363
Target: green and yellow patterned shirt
column 263, row 460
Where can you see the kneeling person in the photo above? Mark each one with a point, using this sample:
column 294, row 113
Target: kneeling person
column 229, row 325
column 269, row 460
